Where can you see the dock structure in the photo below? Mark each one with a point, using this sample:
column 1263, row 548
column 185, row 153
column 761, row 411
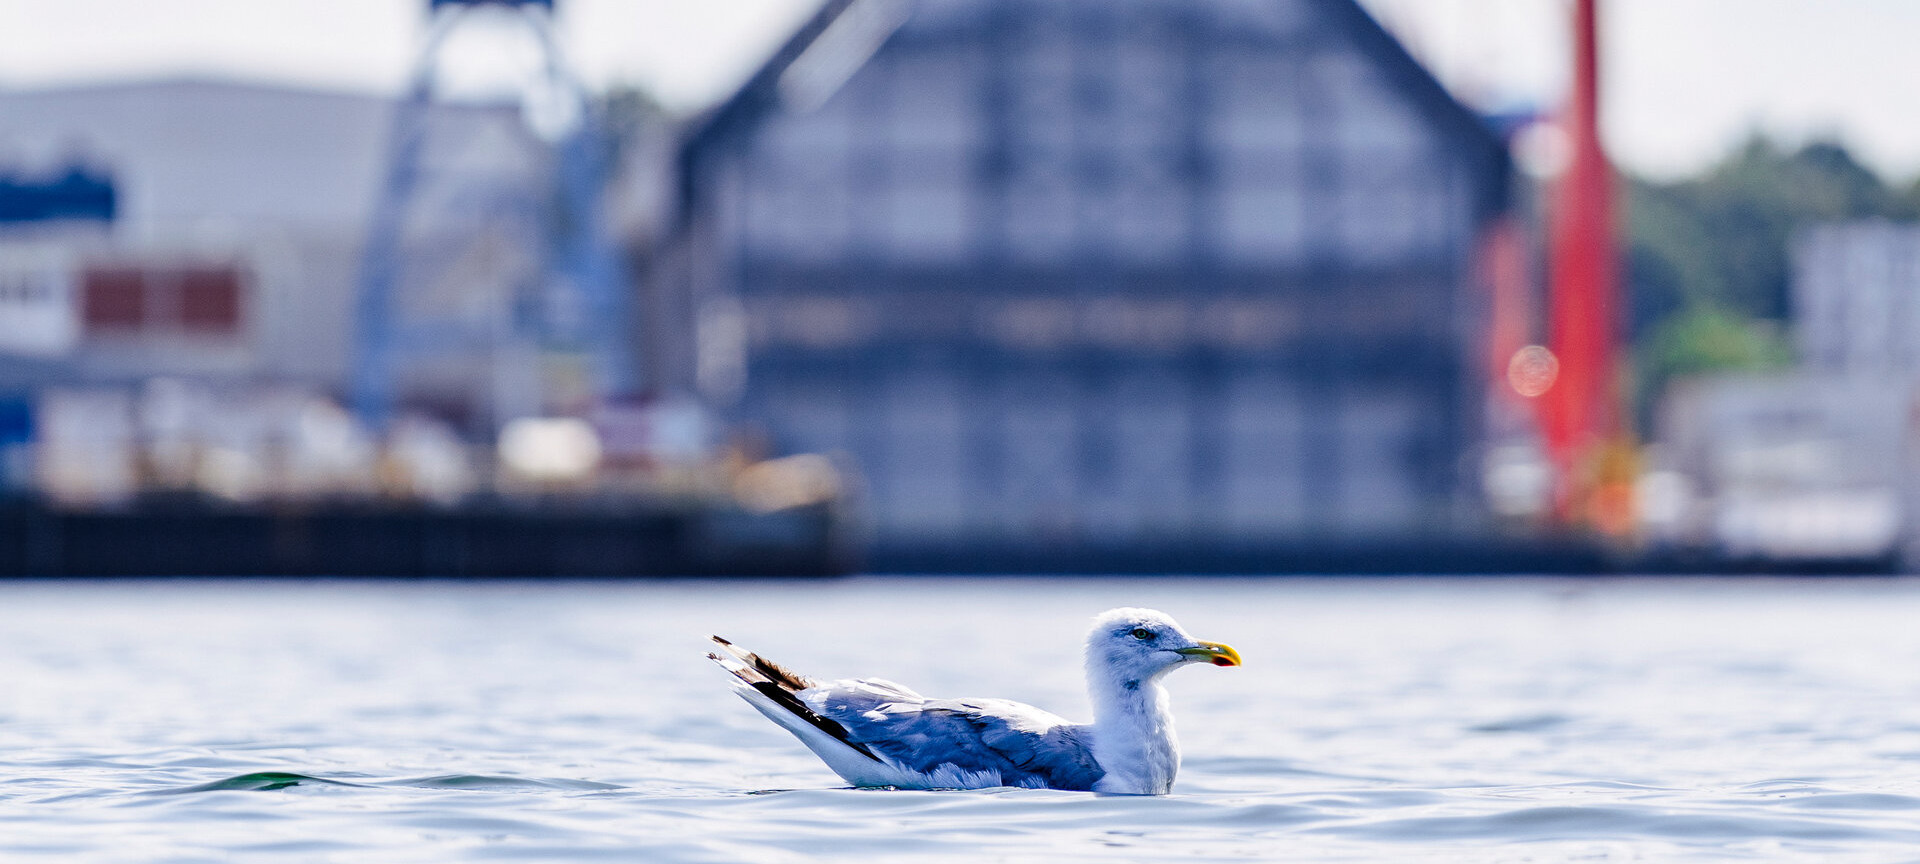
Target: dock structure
column 174, row 538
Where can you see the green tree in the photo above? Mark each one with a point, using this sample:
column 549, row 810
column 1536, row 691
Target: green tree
column 1725, row 235
column 1709, row 258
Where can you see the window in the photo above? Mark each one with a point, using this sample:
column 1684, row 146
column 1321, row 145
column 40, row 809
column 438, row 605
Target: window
column 1264, row 222
column 1392, row 219
column 201, row 300
column 935, row 105
column 927, row 219
column 1040, row 213
column 1257, row 107
column 1151, row 218
column 114, row 298
column 804, row 219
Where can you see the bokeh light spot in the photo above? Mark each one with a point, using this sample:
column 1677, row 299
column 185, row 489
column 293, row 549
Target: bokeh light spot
column 1532, row 371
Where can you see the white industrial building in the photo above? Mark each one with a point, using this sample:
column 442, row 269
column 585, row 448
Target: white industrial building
column 236, row 248
column 1815, row 463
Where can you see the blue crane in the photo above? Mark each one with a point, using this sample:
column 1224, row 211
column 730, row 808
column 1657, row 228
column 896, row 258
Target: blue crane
column 580, row 304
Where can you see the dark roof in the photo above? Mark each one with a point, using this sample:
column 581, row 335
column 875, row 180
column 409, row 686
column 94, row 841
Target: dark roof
column 759, row 96
column 1480, row 144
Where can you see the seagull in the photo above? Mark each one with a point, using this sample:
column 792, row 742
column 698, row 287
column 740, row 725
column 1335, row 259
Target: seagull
column 874, row 732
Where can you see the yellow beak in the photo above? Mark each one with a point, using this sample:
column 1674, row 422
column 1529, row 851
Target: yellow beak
column 1213, row 652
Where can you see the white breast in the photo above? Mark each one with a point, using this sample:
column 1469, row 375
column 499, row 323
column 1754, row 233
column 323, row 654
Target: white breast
column 1134, row 743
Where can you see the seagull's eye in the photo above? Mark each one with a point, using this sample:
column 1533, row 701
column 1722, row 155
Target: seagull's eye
column 1142, row 633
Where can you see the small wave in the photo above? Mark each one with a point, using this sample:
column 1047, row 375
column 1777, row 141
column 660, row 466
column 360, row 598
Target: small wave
column 1616, row 823
column 1786, row 784
column 484, row 781
column 1854, row 801
column 1608, row 786
column 1272, row 766
column 1527, row 723
column 258, row 781
column 1374, row 799
column 269, row 781
column 204, row 761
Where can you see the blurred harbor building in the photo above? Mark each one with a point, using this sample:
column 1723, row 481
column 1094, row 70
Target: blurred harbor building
column 180, row 263
column 1105, row 282
column 1813, row 465
column 1126, row 284
column 1856, row 298
column 233, row 252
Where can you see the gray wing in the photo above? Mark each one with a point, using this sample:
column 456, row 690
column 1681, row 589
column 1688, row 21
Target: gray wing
column 1023, row 744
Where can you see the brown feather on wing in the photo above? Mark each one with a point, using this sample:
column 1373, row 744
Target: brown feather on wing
column 781, row 685
column 786, row 677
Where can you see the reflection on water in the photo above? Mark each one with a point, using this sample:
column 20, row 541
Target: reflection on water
column 1376, row 719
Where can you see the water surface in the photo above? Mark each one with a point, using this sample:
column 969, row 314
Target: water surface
column 1377, row 719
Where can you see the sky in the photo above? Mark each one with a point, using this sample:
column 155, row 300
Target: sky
column 1683, row 80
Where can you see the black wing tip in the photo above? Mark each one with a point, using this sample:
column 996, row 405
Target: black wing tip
column 785, row 699
column 780, row 684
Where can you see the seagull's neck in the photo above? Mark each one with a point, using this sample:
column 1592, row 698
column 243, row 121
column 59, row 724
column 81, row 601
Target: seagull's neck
column 1133, row 735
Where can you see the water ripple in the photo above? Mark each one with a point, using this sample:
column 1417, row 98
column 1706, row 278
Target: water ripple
column 476, row 781
column 1618, row 823
column 1439, row 722
column 258, row 781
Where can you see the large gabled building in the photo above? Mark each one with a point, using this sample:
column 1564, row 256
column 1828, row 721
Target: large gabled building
column 1074, row 280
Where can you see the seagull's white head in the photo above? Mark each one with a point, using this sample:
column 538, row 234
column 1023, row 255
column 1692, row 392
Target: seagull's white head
column 1132, row 646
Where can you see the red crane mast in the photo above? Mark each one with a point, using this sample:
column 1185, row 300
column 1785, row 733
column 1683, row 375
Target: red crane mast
column 1579, row 414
